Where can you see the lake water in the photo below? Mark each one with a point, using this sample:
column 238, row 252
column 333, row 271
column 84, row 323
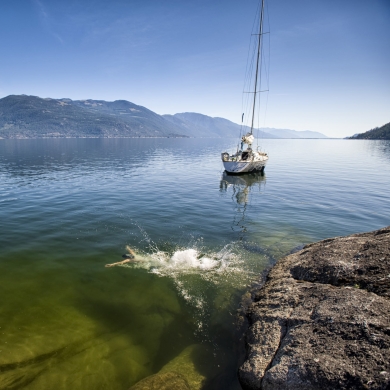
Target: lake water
column 70, row 206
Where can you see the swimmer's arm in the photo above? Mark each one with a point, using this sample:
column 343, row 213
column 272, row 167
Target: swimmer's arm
column 129, row 250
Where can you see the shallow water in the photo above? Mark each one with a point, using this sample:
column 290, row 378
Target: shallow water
column 70, row 206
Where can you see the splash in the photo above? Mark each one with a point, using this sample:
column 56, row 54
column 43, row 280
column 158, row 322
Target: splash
column 208, row 281
column 190, row 258
column 189, row 261
column 169, row 259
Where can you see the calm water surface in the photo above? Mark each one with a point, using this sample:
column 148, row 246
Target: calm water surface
column 68, row 207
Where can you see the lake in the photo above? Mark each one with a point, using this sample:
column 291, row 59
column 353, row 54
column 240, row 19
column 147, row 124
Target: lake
column 68, row 207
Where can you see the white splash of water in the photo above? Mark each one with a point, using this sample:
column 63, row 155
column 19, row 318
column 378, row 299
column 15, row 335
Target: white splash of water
column 189, row 258
column 190, row 261
column 194, row 272
column 206, row 280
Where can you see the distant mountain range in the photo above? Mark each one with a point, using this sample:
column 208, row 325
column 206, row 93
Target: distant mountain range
column 382, row 132
column 285, row 133
column 23, row 116
column 198, row 125
column 33, row 117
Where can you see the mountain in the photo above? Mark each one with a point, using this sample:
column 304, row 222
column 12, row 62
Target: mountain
column 285, row 133
column 24, row 116
column 382, row 132
column 198, row 125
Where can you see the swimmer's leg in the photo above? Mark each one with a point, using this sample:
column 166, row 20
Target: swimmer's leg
column 118, row 263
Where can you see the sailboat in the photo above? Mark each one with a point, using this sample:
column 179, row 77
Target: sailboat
column 249, row 160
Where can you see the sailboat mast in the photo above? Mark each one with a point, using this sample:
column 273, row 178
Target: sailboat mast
column 259, row 48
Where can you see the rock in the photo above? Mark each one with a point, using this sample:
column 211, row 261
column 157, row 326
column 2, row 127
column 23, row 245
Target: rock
column 163, row 381
column 179, row 374
column 187, row 364
column 322, row 318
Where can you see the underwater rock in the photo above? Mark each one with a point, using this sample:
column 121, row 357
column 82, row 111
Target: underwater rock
column 322, row 318
column 181, row 373
column 162, row 381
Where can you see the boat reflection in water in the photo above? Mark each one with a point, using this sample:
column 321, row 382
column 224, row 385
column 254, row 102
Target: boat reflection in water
column 241, row 188
column 242, row 185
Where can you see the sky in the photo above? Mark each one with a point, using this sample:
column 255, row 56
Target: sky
column 329, row 60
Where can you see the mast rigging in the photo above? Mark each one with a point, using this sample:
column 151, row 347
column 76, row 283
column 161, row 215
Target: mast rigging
column 259, row 48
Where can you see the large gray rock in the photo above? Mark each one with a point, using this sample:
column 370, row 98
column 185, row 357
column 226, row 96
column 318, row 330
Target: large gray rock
column 322, row 318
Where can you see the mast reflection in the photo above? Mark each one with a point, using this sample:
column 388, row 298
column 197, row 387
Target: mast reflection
column 241, row 188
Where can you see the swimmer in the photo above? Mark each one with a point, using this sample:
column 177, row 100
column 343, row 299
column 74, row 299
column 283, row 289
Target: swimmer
column 130, row 257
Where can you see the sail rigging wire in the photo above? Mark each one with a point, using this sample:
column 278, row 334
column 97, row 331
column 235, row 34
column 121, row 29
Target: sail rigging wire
column 267, row 74
column 248, row 81
column 264, row 59
column 256, row 49
column 267, row 69
column 268, row 56
column 245, row 100
column 263, row 67
column 259, row 51
column 249, row 64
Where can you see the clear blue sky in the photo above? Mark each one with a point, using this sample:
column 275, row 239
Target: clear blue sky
column 329, row 69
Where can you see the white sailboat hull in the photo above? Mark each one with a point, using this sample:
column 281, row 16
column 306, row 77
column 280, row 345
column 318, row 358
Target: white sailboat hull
column 236, row 165
column 242, row 167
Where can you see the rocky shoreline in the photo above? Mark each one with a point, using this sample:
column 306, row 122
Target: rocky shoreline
column 321, row 320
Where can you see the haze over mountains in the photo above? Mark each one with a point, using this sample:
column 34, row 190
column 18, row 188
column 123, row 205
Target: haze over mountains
column 24, row 116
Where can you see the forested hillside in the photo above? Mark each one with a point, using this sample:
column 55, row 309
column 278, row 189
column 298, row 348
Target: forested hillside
column 382, row 132
column 24, row 116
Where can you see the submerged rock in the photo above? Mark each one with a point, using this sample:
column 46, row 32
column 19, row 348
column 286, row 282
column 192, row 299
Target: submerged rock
column 180, row 373
column 163, row 381
column 188, row 364
column 322, row 318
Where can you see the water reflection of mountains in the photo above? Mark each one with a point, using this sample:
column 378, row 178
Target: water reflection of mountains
column 380, row 147
column 36, row 157
column 242, row 185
